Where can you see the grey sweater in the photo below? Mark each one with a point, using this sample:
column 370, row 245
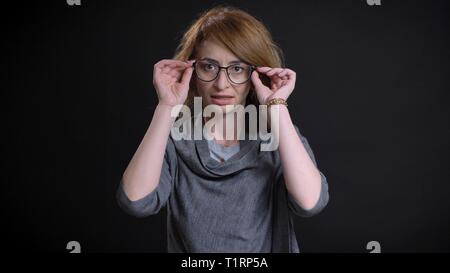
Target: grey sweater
column 239, row 205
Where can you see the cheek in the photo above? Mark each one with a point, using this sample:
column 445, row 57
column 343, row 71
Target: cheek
column 204, row 89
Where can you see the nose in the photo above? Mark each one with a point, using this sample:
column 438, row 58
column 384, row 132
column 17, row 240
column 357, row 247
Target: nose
column 222, row 80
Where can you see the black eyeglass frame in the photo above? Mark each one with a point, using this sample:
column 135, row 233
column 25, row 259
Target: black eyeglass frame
column 252, row 68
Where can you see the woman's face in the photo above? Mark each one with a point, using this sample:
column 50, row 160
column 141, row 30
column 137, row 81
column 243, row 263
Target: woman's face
column 220, row 91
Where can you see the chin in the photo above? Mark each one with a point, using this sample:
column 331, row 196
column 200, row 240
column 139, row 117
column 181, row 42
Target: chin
column 228, row 106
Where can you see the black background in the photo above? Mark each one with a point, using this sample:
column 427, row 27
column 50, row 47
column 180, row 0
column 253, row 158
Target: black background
column 371, row 97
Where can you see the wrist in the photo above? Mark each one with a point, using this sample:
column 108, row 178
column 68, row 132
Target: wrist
column 164, row 105
column 276, row 101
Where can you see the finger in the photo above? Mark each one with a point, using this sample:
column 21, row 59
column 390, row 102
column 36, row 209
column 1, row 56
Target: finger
column 292, row 75
column 263, row 69
column 165, row 69
column 287, row 72
column 191, row 62
column 187, row 76
column 176, row 73
column 256, row 80
column 283, row 73
column 274, row 86
column 171, row 63
column 178, row 66
column 274, row 71
column 174, row 69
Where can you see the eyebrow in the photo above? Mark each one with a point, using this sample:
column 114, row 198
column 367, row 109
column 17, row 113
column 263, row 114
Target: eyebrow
column 215, row 61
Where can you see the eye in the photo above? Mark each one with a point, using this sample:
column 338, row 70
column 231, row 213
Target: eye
column 209, row 67
column 237, row 69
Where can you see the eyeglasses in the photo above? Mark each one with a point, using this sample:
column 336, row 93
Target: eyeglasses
column 236, row 73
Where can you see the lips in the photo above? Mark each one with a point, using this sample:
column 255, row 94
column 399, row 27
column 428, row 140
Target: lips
column 222, row 100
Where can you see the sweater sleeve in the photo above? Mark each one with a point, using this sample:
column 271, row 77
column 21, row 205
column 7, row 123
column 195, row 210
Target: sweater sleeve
column 153, row 202
column 324, row 195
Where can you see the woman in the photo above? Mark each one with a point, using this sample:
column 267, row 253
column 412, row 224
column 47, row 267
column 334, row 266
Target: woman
column 224, row 195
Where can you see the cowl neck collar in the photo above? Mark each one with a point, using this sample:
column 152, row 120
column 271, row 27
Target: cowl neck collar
column 248, row 152
column 232, row 164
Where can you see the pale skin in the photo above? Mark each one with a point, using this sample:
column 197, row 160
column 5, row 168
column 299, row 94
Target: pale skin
column 171, row 80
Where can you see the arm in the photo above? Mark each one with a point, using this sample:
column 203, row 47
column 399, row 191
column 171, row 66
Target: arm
column 142, row 175
column 171, row 80
column 306, row 185
column 303, row 179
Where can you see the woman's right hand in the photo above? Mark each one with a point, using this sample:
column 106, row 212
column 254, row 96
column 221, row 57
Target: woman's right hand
column 171, row 80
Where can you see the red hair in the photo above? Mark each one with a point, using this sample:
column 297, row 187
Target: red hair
column 241, row 33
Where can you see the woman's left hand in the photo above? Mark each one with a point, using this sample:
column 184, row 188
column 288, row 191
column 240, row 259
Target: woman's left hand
column 282, row 83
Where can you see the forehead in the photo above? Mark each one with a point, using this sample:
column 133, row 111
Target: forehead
column 215, row 50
